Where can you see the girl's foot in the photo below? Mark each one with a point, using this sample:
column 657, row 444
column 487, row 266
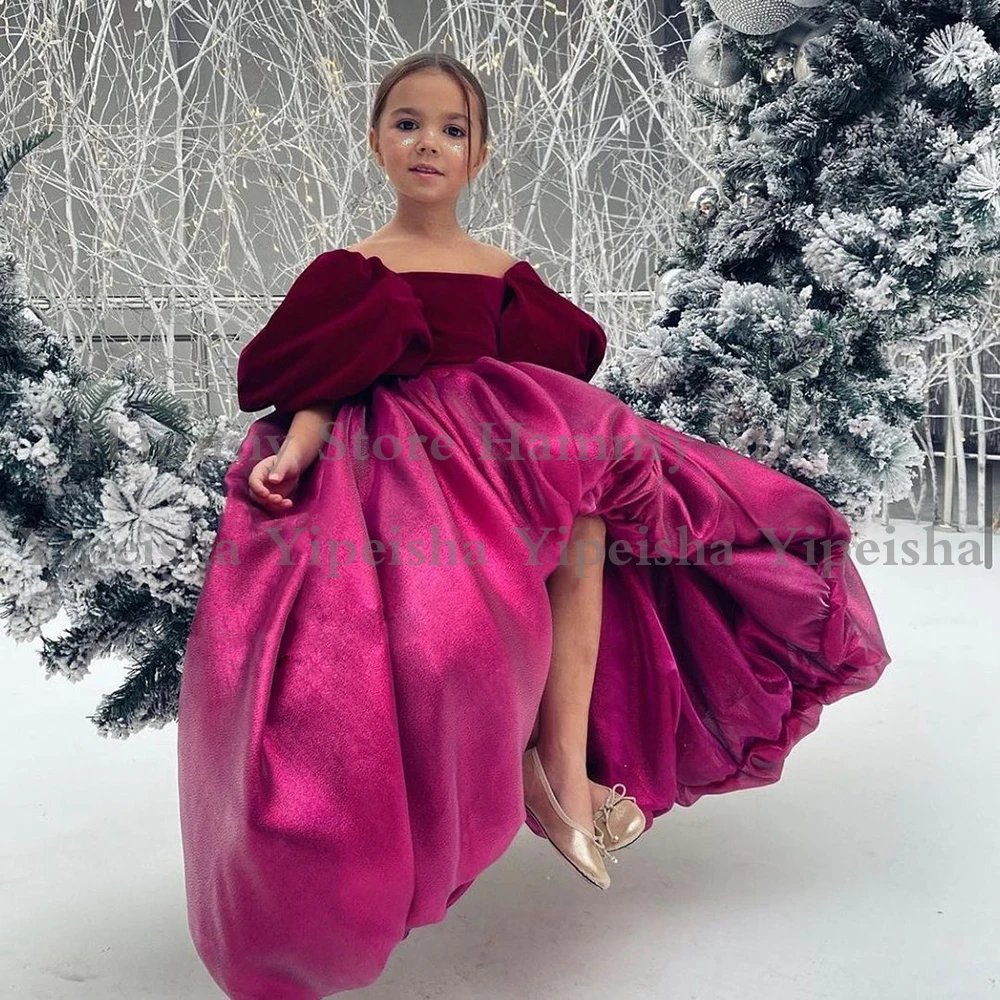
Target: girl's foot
column 578, row 796
column 582, row 846
column 598, row 793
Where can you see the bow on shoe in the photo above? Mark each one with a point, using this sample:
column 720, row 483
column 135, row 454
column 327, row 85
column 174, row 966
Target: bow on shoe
column 630, row 820
column 613, row 798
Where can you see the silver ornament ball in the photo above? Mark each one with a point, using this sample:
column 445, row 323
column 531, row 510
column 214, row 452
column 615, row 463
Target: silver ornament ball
column 668, row 281
column 703, row 202
column 803, row 70
column 782, row 63
column 796, row 33
column 713, row 58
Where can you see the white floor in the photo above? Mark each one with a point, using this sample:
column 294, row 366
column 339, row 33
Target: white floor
column 871, row 871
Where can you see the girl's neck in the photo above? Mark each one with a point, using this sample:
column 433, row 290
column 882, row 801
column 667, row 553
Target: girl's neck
column 418, row 224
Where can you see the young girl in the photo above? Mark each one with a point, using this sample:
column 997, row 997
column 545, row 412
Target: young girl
column 413, row 637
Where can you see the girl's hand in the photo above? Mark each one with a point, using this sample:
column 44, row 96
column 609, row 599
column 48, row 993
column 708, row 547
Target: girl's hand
column 273, row 479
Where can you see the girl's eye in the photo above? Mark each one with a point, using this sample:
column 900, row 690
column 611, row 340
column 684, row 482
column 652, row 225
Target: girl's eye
column 405, row 121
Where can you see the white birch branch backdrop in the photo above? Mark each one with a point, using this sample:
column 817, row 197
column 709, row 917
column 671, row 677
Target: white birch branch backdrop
column 203, row 152
column 963, row 387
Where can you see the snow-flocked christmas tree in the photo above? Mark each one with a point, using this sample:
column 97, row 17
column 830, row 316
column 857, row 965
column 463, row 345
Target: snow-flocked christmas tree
column 110, row 495
column 857, row 194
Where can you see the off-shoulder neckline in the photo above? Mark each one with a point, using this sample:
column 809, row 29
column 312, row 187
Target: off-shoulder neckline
column 450, row 274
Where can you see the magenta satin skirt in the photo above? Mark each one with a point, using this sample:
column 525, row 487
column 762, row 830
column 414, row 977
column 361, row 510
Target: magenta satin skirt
column 364, row 670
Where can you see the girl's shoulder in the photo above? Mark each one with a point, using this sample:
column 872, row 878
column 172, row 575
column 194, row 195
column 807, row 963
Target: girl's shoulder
column 499, row 257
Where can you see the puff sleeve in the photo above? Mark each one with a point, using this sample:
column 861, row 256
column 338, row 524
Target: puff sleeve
column 345, row 320
column 539, row 325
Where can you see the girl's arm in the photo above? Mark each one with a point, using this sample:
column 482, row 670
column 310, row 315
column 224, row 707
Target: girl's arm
column 305, row 434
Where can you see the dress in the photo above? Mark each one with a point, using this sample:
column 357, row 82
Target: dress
column 361, row 680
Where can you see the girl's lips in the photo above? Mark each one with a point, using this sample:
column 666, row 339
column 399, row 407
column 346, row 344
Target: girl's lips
column 432, row 173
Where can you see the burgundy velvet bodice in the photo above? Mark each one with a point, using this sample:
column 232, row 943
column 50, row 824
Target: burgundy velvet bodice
column 347, row 321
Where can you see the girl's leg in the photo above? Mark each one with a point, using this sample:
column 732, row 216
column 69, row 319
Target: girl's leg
column 561, row 727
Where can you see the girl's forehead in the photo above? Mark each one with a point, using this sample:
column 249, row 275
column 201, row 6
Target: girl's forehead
column 429, row 88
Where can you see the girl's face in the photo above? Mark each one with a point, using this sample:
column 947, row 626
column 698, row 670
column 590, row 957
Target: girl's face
column 424, row 122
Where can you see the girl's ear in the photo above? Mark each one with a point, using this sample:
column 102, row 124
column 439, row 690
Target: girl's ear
column 483, row 153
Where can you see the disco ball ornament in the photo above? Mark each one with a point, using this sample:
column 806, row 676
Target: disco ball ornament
column 713, row 57
column 756, row 17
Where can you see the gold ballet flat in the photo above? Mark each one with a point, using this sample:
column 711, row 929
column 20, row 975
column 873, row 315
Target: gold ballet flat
column 583, row 849
column 619, row 820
